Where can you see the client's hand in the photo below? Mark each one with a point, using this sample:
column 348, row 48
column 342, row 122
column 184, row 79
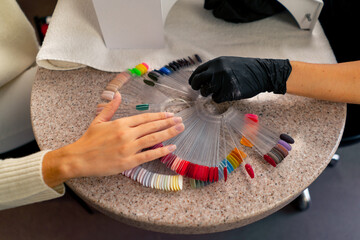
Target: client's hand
column 235, row 78
column 111, row 147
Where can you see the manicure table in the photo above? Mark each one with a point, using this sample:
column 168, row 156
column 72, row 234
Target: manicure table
column 63, row 104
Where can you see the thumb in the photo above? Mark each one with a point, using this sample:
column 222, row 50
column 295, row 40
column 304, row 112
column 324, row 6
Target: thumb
column 107, row 113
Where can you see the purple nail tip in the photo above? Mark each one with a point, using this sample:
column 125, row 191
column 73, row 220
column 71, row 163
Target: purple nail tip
column 285, row 145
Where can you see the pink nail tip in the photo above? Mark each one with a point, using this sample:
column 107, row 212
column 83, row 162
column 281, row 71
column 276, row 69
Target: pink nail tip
column 253, row 117
column 145, row 65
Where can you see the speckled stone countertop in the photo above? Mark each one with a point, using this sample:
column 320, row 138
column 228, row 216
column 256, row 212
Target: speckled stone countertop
column 63, row 105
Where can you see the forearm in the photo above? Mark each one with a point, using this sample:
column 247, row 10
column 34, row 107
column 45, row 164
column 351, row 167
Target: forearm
column 332, row 82
column 21, row 182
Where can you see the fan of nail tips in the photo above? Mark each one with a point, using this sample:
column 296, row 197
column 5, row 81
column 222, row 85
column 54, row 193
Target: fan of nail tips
column 245, row 127
column 202, row 152
column 155, row 175
column 247, row 130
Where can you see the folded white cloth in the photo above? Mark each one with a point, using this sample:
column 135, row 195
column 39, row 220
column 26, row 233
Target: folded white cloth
column 74, row 39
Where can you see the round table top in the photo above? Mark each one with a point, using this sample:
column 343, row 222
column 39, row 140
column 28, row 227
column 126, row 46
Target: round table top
column 63, row 105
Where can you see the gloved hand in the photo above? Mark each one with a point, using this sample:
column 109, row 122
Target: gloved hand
column 235, row 78
column 243, row 10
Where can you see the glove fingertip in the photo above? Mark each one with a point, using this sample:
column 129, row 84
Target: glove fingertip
column 216, row 98
column 204, row 92
column 191, row 78
column 199, row 80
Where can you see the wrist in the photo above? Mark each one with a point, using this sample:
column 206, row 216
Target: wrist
column 283, row 70
column 56, row 167
column 278, row 72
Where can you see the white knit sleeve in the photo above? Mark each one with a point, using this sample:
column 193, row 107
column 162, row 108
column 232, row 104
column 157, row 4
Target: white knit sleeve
column 21, row 182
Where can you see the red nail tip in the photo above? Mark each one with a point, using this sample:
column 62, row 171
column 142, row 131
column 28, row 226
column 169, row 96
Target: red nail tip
column 211, row 174
column 269, row 160
column 196, row 172
column 171, row 161
column 191, row 171
column 216, row 174
column 203, row 173
column 159, row 145
column 249, row 170
column 177, row 165
column 165, row 158
column 253, row 117
column 180, row 166
column 184, row 169
column 225, row 173
column 207, row 170
column 188, row 171
column 188, row 174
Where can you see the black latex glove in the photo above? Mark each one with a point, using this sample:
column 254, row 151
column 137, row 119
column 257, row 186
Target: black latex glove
column 235, row 78
column 243, row 10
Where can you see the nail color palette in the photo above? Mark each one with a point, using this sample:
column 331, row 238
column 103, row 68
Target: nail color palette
column 212, row 145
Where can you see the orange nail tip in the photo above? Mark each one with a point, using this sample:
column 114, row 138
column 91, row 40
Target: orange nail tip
column 244, row 141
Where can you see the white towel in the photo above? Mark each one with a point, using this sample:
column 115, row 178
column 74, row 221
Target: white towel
column 18, row 44
column 74, row 39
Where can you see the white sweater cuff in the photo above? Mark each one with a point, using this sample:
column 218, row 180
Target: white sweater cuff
column 21, row 182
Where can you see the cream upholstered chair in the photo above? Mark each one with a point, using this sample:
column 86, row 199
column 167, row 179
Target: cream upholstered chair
column 18, row 49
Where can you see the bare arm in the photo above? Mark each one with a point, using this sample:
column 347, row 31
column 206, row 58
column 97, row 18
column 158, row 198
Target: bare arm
column 334, row 82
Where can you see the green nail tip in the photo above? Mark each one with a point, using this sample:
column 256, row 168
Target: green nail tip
column 148, row 82
column 142, row 107
column 136, row 71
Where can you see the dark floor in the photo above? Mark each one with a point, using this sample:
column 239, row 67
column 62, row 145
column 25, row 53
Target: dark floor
column 334, row 214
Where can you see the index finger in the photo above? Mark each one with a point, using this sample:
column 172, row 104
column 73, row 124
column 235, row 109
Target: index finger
column 198, row 70
column 137, row 120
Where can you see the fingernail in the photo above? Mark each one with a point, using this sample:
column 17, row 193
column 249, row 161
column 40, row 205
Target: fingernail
column 178, row 120
column 107, row 95
column 180, row 127
column 171, row 148
column 169, row 114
